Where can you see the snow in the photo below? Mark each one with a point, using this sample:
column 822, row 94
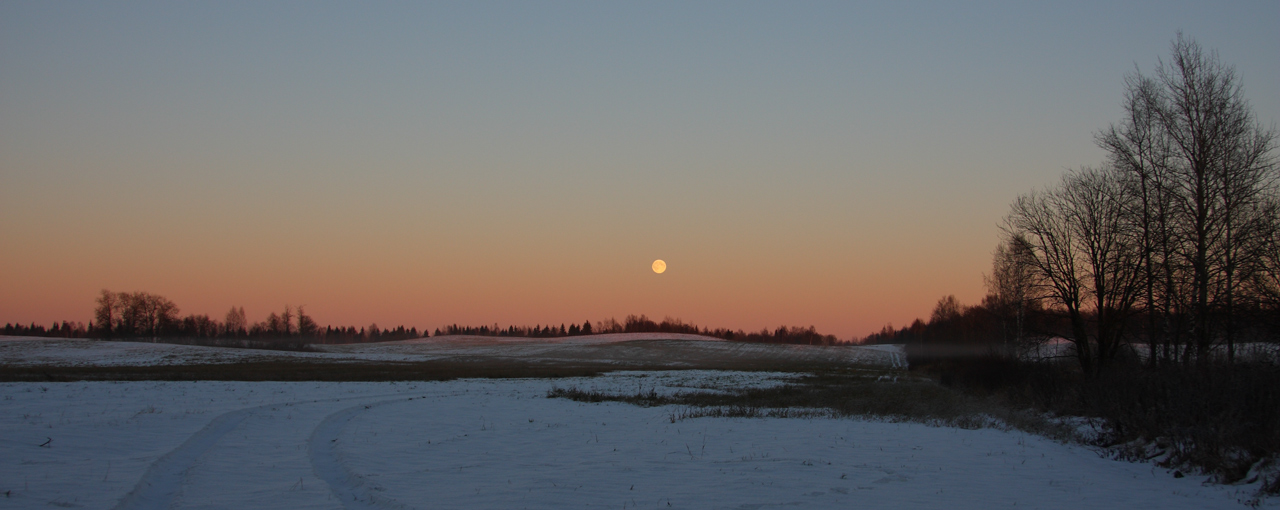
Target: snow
column 1061, row 348
column 652, row 349
column 33, row 351
column 503, row 444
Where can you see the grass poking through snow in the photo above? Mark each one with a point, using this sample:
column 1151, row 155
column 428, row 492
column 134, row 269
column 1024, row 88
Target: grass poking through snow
column 877, row 394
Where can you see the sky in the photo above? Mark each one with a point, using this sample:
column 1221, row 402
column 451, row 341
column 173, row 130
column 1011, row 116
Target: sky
column 841, row 164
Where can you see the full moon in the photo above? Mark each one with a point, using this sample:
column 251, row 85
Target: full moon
column 659, row 266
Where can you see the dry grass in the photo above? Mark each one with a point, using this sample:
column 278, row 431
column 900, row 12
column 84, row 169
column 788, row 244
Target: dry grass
column 319, row 370
column 893, row 396
column 1221, row 420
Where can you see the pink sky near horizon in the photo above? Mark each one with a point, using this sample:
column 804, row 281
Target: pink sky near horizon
column 413, row 283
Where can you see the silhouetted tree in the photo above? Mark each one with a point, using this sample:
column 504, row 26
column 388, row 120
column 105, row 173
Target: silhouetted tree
column 106, row 313
column 286, row 321
column 1010, row 291
column 235, row 323
column 307, row 327
column 1204, row 177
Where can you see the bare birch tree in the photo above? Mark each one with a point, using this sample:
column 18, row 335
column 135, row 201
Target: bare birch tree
column 1010, row 286
column 235, row 323
column 1202, row 169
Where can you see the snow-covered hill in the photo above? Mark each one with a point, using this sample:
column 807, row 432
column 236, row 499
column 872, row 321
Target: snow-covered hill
column 624, row 349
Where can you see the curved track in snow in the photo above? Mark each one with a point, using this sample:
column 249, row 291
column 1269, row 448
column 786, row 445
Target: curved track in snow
column 162, row 482
column 353, row 490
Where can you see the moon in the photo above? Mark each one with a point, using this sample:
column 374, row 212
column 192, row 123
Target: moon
column 659, row 266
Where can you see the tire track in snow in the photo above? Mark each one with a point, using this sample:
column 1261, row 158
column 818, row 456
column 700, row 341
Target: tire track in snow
column 897, row 358
column 353, row 490
column 162, row 482
column 163, row 479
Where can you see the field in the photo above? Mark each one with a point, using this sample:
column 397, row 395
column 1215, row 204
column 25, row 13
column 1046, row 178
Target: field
column 502, row 443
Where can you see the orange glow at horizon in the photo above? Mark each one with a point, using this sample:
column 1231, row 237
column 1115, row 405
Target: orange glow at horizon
column 416, row 284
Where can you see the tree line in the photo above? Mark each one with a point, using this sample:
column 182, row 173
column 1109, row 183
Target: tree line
column 131, row 315
column 63, row 330
column 145, row 315
column 538, row 331
column 643, row 324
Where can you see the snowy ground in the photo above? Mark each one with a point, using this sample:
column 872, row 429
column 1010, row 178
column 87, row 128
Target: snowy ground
column 503, row 444
column 625, row 349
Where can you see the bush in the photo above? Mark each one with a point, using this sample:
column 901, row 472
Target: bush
column 1220, row 419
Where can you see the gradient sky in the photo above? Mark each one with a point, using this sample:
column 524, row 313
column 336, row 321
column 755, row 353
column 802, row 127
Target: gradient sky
column 840, row 164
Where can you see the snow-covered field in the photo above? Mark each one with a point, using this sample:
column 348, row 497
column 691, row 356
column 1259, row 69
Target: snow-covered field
column 624, row 349
column 503, row 444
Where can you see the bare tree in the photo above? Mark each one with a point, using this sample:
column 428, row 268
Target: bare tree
column 1202, row 171
column 235, row 322
column 156, row 313
column 1011, row 290
column 1265, row 279
column 1139, row 151
column 286, row 320
column 1035, row 226
column 135, row 313
column 132, row 313
column 106, row 312
column 1075, row 241
column 1210, row 128
column 947, row 309
column 272, row 325
column 1094, row 203
column 1248, row 187
column 307, row 326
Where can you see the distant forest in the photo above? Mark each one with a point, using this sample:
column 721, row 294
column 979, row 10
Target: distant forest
column 141, row 315
column 643, row 324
